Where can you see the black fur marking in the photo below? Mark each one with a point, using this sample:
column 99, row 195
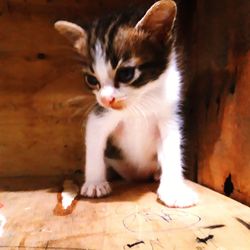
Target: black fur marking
column 112, row 151
column 149, row 72
column 129, row 17
column 99, row 110
column 153, row 55
column 109, row 50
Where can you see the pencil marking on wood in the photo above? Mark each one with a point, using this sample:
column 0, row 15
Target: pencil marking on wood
column 204, row 240
column 244, row 223
column 166, row 217
column 214, row 226
column 135, row 244
column 159, row 221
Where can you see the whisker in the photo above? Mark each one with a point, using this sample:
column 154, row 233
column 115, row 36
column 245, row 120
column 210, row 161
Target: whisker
column 141, row 109
column 133, row 110
column 88, row 109
column 78, row 100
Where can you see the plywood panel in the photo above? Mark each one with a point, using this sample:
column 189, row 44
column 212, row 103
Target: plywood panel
column 39, row 73
column 218, row 111
column 131, row 218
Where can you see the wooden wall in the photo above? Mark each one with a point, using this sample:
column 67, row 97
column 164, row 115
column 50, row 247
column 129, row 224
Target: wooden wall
column 41, row 135
column 38, row 75
column 218, row 103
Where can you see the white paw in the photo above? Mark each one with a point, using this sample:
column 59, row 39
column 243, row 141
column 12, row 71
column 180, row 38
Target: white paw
column 95, row 189
column 177, row 195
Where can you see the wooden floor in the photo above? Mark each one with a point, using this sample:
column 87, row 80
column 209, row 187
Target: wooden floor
column 32, row 216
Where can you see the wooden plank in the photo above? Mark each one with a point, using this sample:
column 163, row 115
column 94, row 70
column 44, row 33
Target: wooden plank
column 35, row 85
column 75, row 10
column 39, row 73
column 131, row 218
column 218, row 114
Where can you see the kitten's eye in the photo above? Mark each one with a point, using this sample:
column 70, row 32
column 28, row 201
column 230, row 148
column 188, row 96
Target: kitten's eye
column 125, row 74
column 91, row 81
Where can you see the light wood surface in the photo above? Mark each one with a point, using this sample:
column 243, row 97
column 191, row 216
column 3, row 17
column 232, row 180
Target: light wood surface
column 39, row 74
column 131, row 218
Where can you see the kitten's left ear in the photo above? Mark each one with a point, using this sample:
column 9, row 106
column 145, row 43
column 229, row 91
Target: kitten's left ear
column 159, row 19
column 73, row 32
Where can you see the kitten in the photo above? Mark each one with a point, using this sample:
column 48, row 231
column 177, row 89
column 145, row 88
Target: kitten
column 130, row 64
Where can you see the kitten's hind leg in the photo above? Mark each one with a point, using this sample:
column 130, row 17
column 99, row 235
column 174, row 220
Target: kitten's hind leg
column 121, row 168
column 98, row 128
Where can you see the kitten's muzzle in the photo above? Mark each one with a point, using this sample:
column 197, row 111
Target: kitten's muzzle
column 112, row 102
column 107, row 100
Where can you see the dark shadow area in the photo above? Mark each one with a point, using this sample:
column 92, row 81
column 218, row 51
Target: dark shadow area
column 121, row 190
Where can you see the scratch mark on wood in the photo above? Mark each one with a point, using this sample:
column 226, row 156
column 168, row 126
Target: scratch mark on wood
column 166, row 217
column 233, row 82
column 218, row 102
column 244, row 223
column 135, row 244
column 47, row 245
column 204, row 240
column 156, row 242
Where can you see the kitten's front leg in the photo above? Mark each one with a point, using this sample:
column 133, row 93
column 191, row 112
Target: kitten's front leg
column 172, row 190
column 97, row 131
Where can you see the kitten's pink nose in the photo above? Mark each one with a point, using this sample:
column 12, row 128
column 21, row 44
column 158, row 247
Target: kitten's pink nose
column 107, row 101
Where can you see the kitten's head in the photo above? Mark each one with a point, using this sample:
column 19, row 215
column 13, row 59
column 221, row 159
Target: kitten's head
column 124, row 54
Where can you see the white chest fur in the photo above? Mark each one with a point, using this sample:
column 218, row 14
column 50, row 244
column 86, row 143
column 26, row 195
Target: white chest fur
column 137, row 137
column 137, row 133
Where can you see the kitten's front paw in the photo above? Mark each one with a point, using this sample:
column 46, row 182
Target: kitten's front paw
column 95, row 189
column 177, row 196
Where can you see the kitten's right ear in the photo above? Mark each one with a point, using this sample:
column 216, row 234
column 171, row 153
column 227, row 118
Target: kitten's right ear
column 73, row 32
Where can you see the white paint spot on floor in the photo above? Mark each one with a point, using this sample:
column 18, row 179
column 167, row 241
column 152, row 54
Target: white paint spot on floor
column 70, row 191
column 2, row 223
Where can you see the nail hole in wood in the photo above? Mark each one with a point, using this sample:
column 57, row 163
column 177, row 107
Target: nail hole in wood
column 228, row 186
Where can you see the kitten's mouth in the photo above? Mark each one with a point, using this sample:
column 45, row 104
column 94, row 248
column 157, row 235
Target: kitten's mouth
column 116, row 104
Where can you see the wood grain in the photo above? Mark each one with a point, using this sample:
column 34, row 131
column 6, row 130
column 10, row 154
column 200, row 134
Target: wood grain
column 217, row 104
column 39, row 73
